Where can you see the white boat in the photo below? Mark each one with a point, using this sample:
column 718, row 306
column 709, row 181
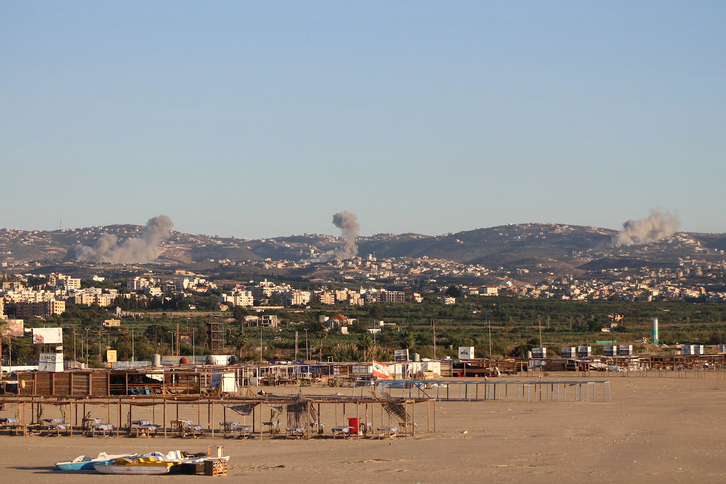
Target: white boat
column 139, row 465
column 84, row 462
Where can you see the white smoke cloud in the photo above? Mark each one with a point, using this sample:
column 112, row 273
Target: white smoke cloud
column 658, row 225
column 137, row 250
column 348, row 224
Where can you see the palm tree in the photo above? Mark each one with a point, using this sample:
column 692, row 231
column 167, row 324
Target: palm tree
column 321, row 335
column 366, row 344
column 410, row 340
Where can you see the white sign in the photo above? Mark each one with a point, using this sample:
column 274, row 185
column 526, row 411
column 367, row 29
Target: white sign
column 400, row 355
column 47, row 336
column 51, row 362
column 466, row 352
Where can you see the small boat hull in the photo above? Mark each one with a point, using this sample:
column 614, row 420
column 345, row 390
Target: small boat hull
column 131, row 469
column 84, row 463
column 138, row 466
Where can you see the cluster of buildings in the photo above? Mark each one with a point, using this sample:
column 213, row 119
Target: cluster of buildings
column 689, row 281
column 283, row 294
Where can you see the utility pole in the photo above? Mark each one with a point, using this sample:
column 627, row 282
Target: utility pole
column 433, row 324
column 540, row 334
column 295, row 345
column 307, row 348
column 177, row 339
column 490, row 335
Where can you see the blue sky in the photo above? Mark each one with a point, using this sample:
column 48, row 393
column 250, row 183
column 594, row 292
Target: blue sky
column 261, row 119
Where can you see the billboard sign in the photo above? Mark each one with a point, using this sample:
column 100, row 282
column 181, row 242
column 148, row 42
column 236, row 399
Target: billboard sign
column 15, row 328
column 110, row 356
column 47, row 336
column 400, row 355
column 466, row 352
column 52, row 362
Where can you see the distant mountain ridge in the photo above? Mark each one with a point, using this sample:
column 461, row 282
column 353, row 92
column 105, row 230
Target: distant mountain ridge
column 508, row 245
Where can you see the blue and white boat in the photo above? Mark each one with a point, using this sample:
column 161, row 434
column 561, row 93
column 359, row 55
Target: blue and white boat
column 84, row 463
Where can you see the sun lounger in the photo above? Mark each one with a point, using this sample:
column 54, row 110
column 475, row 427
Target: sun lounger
column 147, row 430
column 274, row 427
column 89, row 422
column 9, row 423
column 343, row 431
column 242, row 431
column 58, row 427
column 296, row 432
column 100, row 428
column 178, row 426
column 228, row 426
column 389, row 432
column 192, row 431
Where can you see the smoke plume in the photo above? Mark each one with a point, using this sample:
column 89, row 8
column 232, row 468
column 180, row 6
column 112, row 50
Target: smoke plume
column 136, row 250
column 658, row 225
column 347, row 223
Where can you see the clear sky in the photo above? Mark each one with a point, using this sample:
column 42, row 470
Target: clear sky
column 261, row 119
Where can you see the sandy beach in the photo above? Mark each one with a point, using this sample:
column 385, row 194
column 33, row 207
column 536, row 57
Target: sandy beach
column 652, row 430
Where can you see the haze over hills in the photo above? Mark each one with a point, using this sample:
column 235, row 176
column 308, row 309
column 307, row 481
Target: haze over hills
column 520, row 245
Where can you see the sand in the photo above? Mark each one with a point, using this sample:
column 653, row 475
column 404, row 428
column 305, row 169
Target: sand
column 652, row 430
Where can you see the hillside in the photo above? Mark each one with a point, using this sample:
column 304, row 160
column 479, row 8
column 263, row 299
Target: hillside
column 520, row 245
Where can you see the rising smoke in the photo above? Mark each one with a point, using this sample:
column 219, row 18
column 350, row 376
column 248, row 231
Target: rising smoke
column 136, row 250
column 658, row 225
column 347, row 223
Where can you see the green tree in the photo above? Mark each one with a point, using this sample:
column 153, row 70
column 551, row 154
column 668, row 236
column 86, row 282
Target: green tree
column 321, row 335
column 366, row 344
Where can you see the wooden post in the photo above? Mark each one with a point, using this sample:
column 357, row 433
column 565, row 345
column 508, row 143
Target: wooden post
column 153, row 411
column 434, row 416
column 405, row 419
column 212, row 423
column 428, row 416
column 108, row 411
column 224, row 418
column 308, row 426
column 131, row 416
column 413, row 416
column 357, row 416
column 260, row 422
column 336, row 414
column 164, row 418
column 118, row 416
column 23, row 419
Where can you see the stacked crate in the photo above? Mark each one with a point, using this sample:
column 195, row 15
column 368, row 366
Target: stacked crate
column 216, row 467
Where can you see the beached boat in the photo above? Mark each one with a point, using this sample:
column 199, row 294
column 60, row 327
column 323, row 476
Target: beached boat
column 84, row 462
column 139, row 465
